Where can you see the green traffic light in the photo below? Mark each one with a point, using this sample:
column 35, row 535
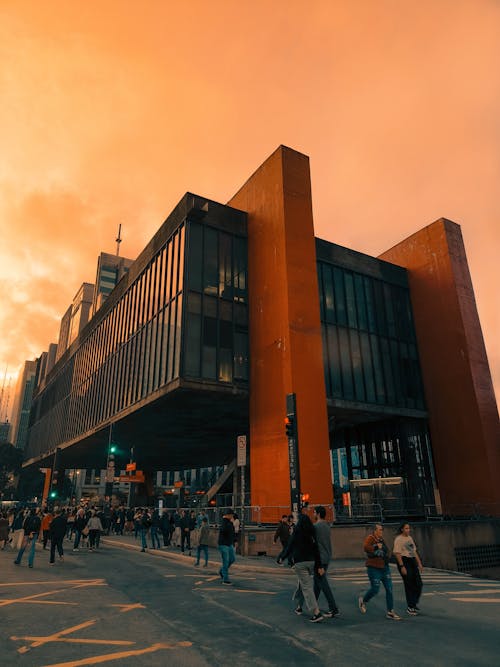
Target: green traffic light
column 112, row 449
column 53, row 494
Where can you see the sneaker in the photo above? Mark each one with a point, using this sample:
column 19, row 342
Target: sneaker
column 196, row 564
column 361, row 605
column 298, row 610
column 16, row 562
column 227, row 582
column 392, row 615
column 75, row 549
column 61, row 558
column 52, row 563
column 411, row 611
column 331, row 614
column 143, row 550
column 417, row 609
column 205, row 565
column 316, row 618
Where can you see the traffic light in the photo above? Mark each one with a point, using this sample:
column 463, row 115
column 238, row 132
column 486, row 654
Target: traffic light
column 304, row 497
column 112, row 449
column 53, row 494
column 290, row 426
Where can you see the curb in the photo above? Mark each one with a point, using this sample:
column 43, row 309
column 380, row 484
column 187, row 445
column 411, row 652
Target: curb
column 238, row 566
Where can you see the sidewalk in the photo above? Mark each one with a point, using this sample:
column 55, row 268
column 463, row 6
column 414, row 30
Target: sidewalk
column 243, row 563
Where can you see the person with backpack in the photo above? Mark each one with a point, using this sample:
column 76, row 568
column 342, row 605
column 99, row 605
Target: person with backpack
column 57, row 531
column 144, row 526
column 31, row 527
column 303, row 548
column 377, row 566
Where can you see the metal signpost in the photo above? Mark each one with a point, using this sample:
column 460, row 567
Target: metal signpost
column 293, row 452
column 241, row 461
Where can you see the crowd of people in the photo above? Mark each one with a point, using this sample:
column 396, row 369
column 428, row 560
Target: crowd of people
column 305, row 546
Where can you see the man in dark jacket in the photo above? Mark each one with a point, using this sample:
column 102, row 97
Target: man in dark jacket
column 226, row 545
column 57, row 531
column 31, row 527
column 283, row 535
column 305, row 553
column 185, row 531
column 321, row 584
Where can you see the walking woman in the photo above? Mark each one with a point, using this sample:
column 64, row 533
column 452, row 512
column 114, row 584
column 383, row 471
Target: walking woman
column 409, row 566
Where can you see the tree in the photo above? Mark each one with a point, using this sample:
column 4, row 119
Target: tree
column 10, row 467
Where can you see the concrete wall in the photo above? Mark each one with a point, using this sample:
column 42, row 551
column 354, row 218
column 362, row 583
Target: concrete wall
column 286, row 353
column 436, row 541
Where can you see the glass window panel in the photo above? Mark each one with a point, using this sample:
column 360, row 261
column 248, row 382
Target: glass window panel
column 338, row 286
column 161, row 287
column 367, row 367
column 352, row 319
column 389, row 309
column 225, row 272
column 240, row 269
column 334, row 357
column 152, row 358
column 192, row 349
column 178, row 337
column 357, row 366
column 328, row 293
column 386, row 364
column 210, row 260
column 195, row 257
column 345, row 364
column 171, row 340
column 164, row 346
column 168, row 284
column 396, row 372
column 380, row 307
column 181, row 258
column 175, row 264
column 241, row 356
column 360, row 301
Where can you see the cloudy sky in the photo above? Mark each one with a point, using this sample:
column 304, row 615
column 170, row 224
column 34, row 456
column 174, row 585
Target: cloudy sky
column 111, row 110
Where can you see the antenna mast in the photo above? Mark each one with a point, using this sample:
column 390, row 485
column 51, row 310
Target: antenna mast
column 118, row 240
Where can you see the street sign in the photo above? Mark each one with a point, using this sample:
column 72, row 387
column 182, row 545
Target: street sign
column 241, row 450
column 131, row 466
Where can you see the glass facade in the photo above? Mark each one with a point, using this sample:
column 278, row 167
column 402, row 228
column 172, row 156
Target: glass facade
column 216, row 340
column 154, row 331
column 369, row 346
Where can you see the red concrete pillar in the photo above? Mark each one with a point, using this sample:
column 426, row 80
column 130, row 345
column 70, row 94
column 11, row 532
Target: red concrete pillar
column 463, row 415
column 285, row 330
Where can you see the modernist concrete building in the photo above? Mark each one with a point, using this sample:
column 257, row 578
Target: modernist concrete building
column 232, row 307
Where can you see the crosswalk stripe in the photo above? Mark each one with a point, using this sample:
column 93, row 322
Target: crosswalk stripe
column 483, row 600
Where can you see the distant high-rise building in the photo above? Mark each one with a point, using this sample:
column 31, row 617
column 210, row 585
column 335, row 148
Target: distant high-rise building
column 22, row 403
column 110, row 270
column 62, row 345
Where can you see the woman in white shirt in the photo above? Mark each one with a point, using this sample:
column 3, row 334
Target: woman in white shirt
column 409, row 566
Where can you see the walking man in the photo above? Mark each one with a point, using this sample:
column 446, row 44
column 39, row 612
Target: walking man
column 31, row 527
column 57, row 532
column 377, row 566
column 321, row 583
column 226, row 546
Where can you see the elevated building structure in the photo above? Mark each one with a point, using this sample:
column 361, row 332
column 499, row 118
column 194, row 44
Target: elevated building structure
column 230, row 308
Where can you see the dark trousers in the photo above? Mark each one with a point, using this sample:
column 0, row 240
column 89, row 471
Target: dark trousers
column 322, row 585
column 166, row 537
column 186, row 537
column 412, row 581
column 45, row 538
column 56, row 543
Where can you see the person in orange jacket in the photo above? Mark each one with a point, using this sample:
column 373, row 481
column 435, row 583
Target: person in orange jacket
column 46, row 521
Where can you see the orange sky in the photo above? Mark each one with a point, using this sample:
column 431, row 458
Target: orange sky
column 111, row 110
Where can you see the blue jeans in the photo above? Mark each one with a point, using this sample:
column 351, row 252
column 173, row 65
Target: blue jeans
column 204, row 548
column 31, row 556
column 155, row 538
column 227, row 554
column 143, row 538
column 377, row 575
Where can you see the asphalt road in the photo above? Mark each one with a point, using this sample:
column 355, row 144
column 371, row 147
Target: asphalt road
column 122, row 607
